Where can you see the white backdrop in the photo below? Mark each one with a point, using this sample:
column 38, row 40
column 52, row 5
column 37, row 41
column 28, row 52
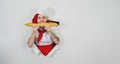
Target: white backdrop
column 91, row 30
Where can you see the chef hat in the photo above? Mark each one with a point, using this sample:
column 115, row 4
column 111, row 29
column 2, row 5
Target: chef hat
column 41, row 11
column 49, row 12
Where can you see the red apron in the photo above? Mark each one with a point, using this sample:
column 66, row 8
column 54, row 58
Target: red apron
column 45, row 49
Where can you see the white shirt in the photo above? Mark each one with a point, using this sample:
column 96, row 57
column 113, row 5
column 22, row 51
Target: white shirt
column 45, row 40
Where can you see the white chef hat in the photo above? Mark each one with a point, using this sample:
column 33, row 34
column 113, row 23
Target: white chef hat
column 49, row 12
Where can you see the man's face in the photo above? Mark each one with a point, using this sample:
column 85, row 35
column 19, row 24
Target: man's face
column 41, row 18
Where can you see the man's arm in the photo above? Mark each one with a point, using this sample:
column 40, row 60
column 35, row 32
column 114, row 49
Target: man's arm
column 32, row 37
column 55, row 39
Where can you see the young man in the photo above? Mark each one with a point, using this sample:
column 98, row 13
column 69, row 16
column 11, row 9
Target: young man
column 42, row 36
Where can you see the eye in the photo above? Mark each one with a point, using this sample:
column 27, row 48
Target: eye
column 39, row 18
column 43, row 17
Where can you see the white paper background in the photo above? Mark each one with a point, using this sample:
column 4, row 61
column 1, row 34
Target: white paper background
column 91, row 30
